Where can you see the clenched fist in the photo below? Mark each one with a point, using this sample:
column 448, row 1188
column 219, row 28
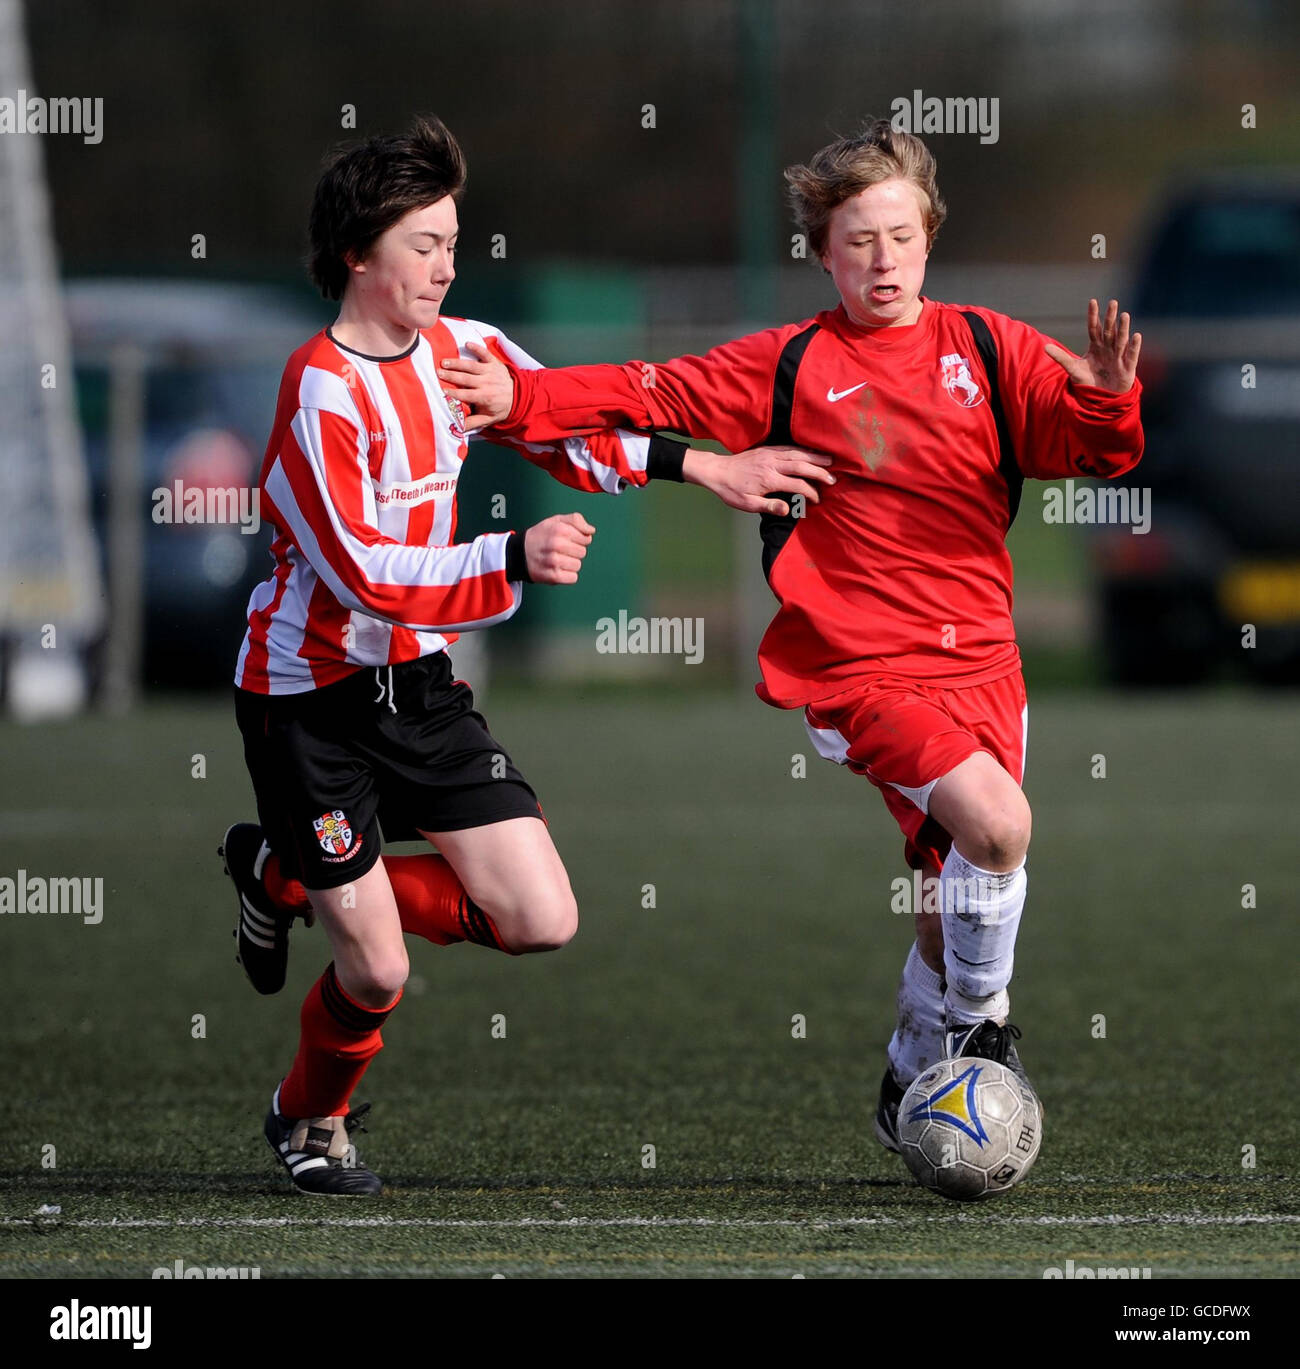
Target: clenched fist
column 555, row 548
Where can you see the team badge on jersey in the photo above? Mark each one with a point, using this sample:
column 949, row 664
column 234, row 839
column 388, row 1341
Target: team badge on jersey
column 457, row 428
column 959, row 382
column 334, row 832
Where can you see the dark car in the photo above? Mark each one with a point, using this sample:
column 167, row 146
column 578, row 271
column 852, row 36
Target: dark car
column 212, row 356
column 1217, row 300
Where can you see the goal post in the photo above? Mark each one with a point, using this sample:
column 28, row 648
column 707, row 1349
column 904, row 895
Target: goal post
column 51, row 598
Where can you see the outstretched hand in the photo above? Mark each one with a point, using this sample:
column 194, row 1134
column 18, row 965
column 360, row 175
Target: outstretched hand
column 746, row 481
column 1110, row 363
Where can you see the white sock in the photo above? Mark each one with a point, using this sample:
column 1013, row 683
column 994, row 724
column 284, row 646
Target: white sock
column 917, row 1041
column 981, row 915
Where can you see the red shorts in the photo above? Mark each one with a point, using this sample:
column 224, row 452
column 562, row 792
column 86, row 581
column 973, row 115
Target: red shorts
column 906, row 737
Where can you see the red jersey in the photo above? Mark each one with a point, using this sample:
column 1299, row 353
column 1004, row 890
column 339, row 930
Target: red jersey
column 359, row 480
column 901, row 571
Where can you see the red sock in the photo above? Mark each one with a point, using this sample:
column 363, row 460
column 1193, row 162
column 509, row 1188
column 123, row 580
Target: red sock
column 288, row 894
column 339, row 1039
column 431, row 900
column 432, row 903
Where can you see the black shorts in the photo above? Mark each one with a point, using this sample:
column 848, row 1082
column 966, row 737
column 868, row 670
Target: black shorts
column 331, row 765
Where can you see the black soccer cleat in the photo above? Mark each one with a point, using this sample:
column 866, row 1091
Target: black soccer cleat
column 987, row 1040
column 318, row 1152
column 263, row 929
column 891, row 1095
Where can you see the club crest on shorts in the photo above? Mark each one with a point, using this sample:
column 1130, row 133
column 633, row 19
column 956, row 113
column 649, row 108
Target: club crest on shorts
column 334, row 832
column 959, row 382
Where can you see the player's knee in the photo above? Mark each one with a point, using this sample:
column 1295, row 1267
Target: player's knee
column 549, row 923
column 1000, row 839
column 378, row 981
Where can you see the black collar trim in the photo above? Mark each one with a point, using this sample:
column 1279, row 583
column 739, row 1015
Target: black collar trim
column 365, row 356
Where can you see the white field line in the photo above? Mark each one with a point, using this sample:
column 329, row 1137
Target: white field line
column 560, row 1223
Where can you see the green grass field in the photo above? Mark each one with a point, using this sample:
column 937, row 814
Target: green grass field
column 670, row 1026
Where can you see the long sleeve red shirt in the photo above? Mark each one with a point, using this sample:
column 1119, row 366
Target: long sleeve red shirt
column 901, row 571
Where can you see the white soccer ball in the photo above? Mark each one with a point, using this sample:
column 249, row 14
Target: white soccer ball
column 969, row 1129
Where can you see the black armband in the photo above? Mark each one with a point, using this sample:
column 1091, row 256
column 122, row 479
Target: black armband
column 665, row 459
column 517, row 559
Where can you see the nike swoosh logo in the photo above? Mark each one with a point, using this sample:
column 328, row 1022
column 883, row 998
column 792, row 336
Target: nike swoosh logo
column 833, row 395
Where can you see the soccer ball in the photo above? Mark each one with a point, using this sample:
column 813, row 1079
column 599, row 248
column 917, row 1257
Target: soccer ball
column 969, row 1129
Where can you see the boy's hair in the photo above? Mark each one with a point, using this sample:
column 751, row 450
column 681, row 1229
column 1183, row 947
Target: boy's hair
column 879, row 152
column 365, row 188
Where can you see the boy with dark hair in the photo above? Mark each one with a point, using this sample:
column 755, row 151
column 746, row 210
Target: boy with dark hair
column 344, row 693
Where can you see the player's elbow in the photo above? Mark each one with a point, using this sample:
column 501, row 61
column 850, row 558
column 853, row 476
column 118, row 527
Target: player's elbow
column 1122, row 462
column 1108, row 465
column 356, row 593
column 359, row 595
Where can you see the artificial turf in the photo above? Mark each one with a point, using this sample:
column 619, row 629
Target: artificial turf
column 669, row 1026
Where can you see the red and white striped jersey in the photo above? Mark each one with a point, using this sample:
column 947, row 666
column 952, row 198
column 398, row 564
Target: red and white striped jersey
column 359, row 481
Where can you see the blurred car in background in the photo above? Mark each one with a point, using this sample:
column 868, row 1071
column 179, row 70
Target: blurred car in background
column 1217, row 300
column 213, row 354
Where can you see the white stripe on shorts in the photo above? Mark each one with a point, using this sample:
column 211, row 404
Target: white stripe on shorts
column 833, row 746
